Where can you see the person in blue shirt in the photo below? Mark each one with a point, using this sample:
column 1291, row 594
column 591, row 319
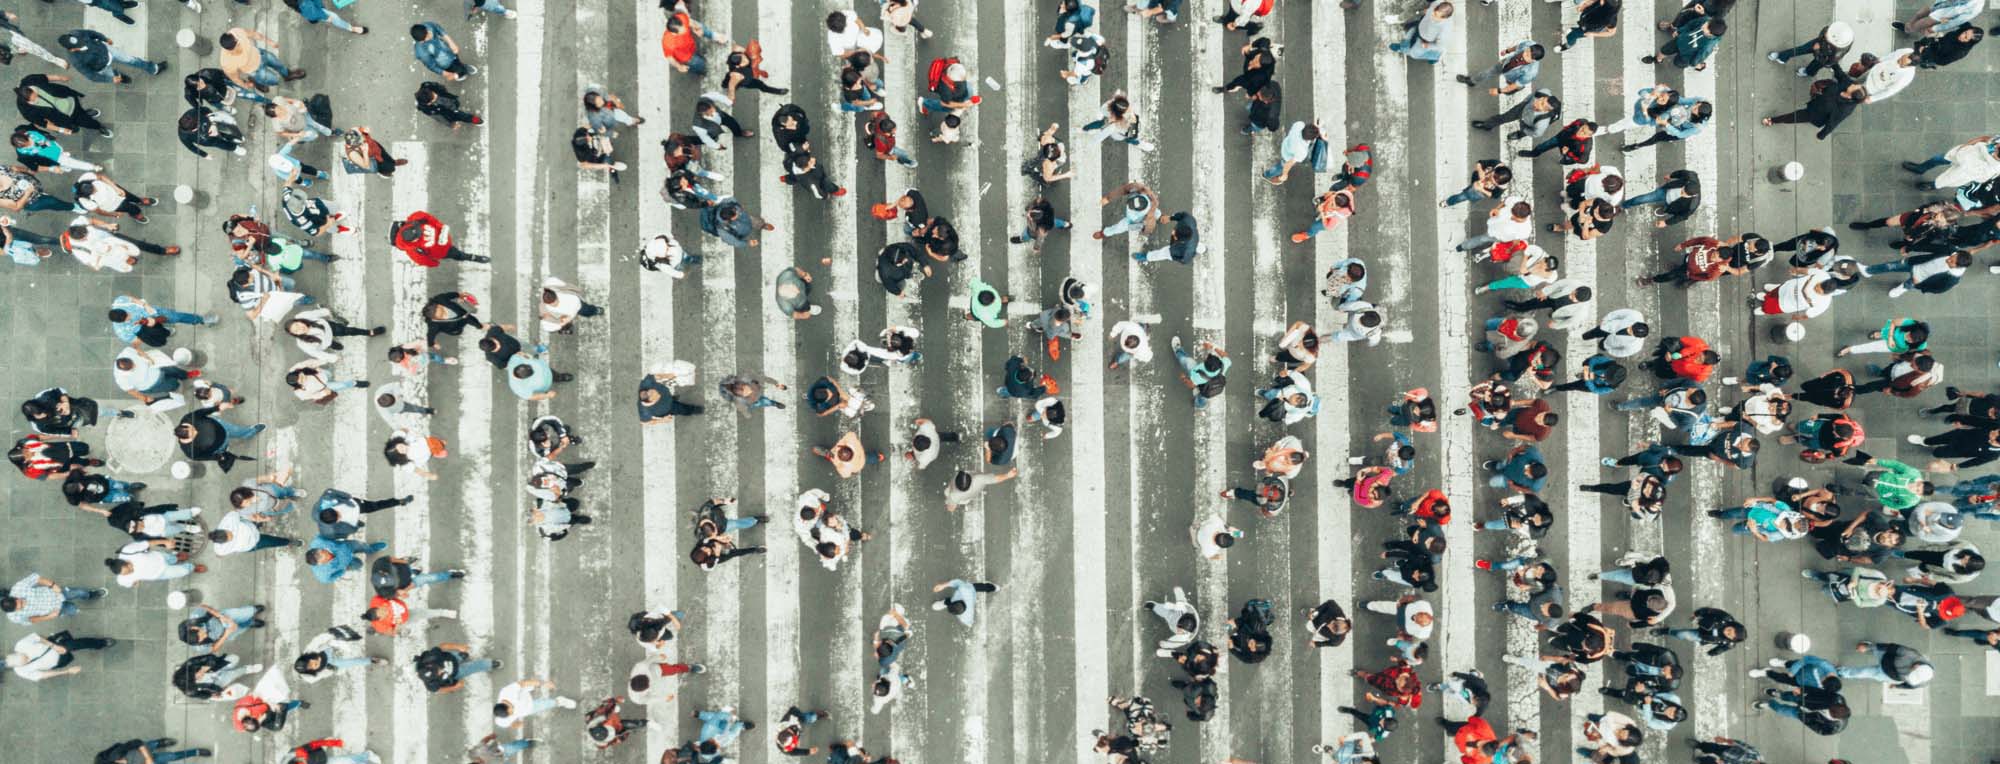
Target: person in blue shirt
column 1518, row 66
column 1524, row 470
column 530, row 377
column 332, row 558
column 438, row 52
column 1678, row 124
column 1693, row 42
column 92, row 55
column 133, row 319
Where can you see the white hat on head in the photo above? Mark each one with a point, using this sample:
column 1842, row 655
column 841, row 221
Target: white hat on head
column 1840, row 34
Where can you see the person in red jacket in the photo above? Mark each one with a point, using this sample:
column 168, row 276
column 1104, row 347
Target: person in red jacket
column 1474, row 737
column 1687, row 358
column 427, row 240
column 325, row 751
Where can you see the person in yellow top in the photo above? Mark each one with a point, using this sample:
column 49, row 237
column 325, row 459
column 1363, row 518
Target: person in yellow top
column 250, row 61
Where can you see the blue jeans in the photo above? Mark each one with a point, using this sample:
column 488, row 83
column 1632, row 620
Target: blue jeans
column 118, row 58
column 1784, row 708
column 468, row 669
column 1639, row 403
column 1127, row 224
column 232, row 431
column 1618, row 576
column 1690, row 635
column 1933, row 163
column 738, row 524
column 1899, row 266
column 1655, row 196
column 489, row 6
column 162, row 757
column 697, row 64
column 1190, row 366
column 432, row 577
column 1498, row 524
column 1028, row 233
column 1469, row 194
column 117, row 491
column 1277, row 168
column 719, row 726
column 1513, row 563
column 272, row 71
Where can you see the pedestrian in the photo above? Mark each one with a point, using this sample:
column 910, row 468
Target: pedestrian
column 1534, row 115
column 427, row 241
column 438, row 52
column 1829, row 106
column 520, row 700
column 47, row 105
column 1425, row 36
column 1826, row 49
column 960, row 598
column 435, row 101
column 250, row 61
column 1940, row 17
column 36, row 599
column 1693, row 42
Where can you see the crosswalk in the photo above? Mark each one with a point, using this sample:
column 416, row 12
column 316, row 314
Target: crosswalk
column 1097, row 521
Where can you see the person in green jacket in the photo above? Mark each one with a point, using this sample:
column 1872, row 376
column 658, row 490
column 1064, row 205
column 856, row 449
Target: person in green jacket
column 1693, row 42
column 987, row 305
column 1897, row 335
column 1897, row 485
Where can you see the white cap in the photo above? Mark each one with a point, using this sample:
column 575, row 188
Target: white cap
column 957, row 71
column 1840, row 34
column 1919, row 675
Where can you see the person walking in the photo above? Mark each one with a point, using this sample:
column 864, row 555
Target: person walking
column 92, row 55
column 35, row 599
column 521, row 699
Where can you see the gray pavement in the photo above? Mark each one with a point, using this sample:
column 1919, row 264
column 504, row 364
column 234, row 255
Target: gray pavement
column 1097, row 522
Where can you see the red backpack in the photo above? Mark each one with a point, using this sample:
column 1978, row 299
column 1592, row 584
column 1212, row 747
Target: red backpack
column 936, row 74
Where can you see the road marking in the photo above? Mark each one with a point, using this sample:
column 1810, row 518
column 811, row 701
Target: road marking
column 1333, row 525
column 1210, row 303
column 1091, row 613
column 412, row 535
column 348, row 296
column 1457, row 612
column 659, row 491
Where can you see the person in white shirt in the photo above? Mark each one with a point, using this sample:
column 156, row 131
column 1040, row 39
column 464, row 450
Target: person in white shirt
column 146, row 374
column 1129, row 344
column 518, row 701
column 1513, row 219
column 310, row 382
column 318, row 332
column 846, row 34
column 662, row 252
column 1414, row 617
column 1361, row 320
column 239, row 532
column 1621, row 333
column 1766, row 409
column 648, row 683
column 36, row 657
column 1213, row 537
column 391, row 402
column 103, row 196
column 927, row 443
column 1886, row 78
column 562, row 304
column 1179, row 616
column 151, row 560
column 93, row 243
column 1801, row 297
column 888, row 687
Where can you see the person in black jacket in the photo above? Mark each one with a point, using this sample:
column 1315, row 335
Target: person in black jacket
column 1714, row 629
column 49, row 106
column 1935, row 52
column 1250, row 632
column 136, row 751
column 1824, row 712
column 435, row 101
column 205, row 437
column 201, row 126
column 1833, row 101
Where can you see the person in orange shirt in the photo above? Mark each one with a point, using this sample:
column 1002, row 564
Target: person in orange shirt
column 681, row 47
column 386, row 615
column 250, row 61
column 1686, row 358
column 1474, row 737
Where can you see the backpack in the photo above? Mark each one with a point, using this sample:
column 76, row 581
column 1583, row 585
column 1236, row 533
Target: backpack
column 935, row 76
column 1102, row 62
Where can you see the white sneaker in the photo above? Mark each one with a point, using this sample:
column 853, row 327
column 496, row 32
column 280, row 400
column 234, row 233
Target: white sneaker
column 566, row 702
column 452, row 614
column 1897, row 291
column 1777, row 662
column 1756, row 673
column 1916, row 439
column 253, row 668
column 1993, row 269
column 1730, row 380
column 1146, row 146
